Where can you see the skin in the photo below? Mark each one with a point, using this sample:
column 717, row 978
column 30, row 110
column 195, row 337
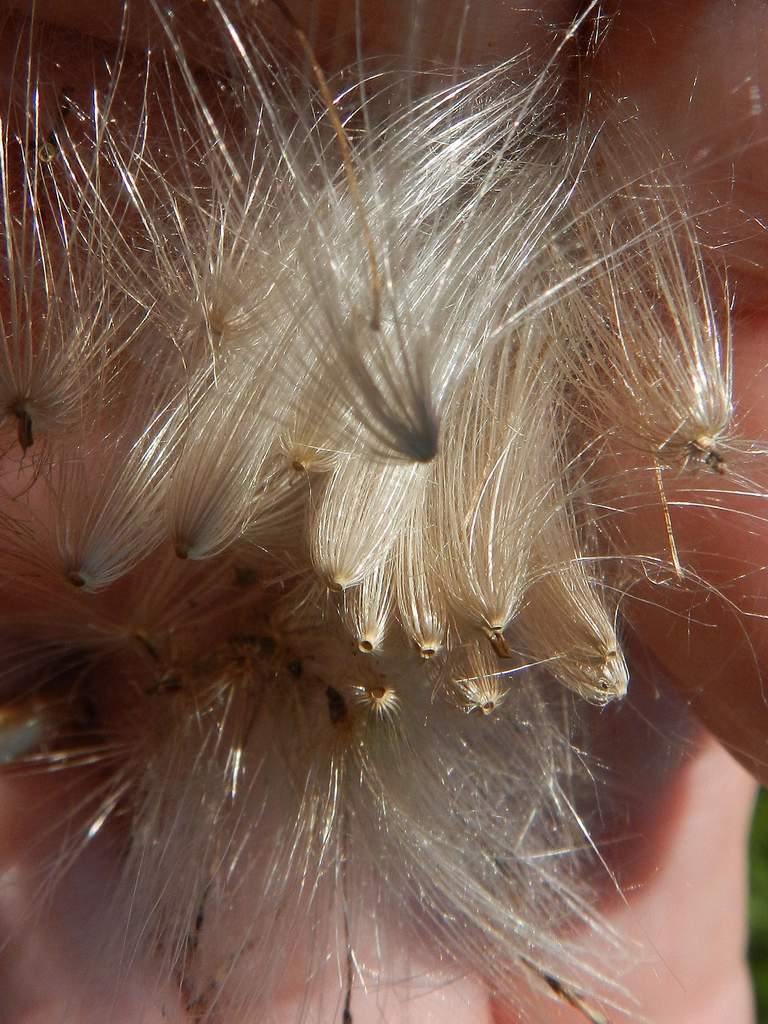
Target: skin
column 685, row 904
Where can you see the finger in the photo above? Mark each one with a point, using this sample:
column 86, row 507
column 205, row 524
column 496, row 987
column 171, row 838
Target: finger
column 711, row 632
column 689, row 918
column 683, row 924
column 698, row 73
column 451, row 33
column 57, row 919
column 55, row 890
column 707, row 109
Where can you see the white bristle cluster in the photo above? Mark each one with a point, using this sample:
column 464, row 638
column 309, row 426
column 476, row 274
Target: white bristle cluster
column 359, row 515
column 290, row 409
column 227, row 478
column 477, row 682
column 421, row 600
column 368, row 608
column 655, row 314
column 493, row 483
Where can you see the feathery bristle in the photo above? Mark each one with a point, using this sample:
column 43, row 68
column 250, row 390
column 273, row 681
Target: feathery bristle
column 655, row 316
column 493, row 485
column 358, row 517
column 420, row 596
column 476, row 680
column 368, row 607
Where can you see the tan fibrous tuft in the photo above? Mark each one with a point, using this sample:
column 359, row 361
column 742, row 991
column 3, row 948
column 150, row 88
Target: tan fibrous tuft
column 381, row 701
column 476, row 681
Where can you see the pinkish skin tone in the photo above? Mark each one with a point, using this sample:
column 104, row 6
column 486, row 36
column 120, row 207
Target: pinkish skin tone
column 685, row 902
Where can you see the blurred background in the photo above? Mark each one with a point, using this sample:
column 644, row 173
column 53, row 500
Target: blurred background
column 758, row 906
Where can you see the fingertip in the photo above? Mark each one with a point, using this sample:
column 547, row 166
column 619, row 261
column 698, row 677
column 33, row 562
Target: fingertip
column 710, row 630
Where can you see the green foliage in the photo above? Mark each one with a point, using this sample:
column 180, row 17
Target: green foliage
column 758, row 906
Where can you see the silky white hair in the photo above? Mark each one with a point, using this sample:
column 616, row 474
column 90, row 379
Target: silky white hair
column 306, row 403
